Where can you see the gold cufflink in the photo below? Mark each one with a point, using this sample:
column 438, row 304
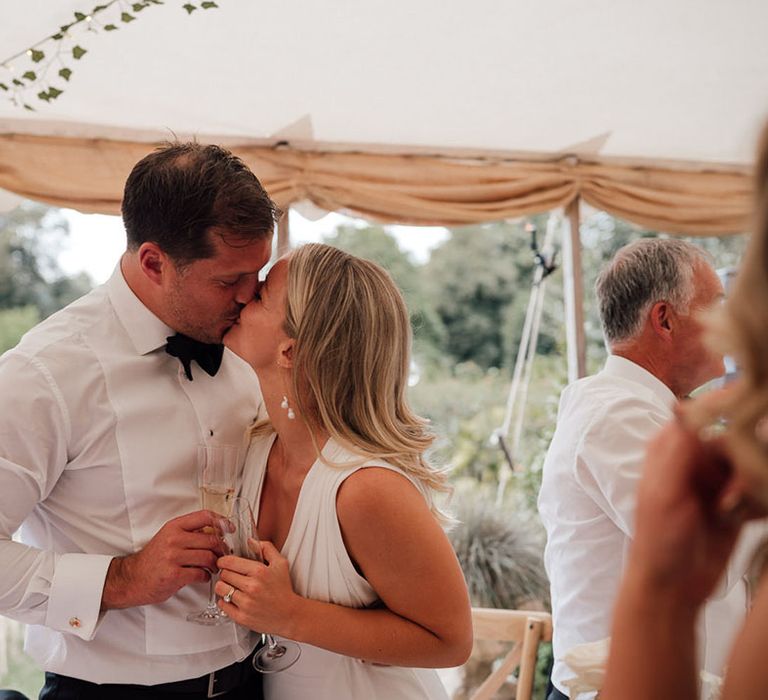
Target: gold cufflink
column 74, row 622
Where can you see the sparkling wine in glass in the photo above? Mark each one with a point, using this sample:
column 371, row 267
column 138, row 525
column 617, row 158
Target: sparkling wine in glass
column 242, row 540
column 218, row 467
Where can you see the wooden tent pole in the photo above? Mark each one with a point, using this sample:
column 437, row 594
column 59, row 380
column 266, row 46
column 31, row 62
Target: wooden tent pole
column 284, row 233
column 573, row 282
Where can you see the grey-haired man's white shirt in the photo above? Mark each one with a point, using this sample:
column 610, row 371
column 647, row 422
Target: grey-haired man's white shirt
column 587, row 503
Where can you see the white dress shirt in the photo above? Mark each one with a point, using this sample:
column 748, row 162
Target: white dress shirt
column 587, row 504
column 98, row 435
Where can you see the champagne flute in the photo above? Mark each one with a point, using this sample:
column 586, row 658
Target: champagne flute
column 218, row 467
column 242, row 540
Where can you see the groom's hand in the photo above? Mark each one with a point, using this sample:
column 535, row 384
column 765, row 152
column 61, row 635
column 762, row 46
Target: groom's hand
column 177, row 555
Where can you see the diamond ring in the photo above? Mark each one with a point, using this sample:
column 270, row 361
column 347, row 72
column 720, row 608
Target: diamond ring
column 228, row 597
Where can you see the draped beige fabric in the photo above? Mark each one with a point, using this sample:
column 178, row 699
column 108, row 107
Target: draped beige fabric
column 88, row 175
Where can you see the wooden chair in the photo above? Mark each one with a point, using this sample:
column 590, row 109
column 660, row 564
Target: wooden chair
column 527, row 629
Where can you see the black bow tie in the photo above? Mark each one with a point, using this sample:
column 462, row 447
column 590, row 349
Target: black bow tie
column 207, row 355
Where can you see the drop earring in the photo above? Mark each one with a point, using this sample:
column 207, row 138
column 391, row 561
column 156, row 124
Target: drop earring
column 284, row 403
column 287, row 407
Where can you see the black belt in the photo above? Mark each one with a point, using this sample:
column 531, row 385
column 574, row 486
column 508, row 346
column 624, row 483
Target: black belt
column 219, row 682
column 211, row 685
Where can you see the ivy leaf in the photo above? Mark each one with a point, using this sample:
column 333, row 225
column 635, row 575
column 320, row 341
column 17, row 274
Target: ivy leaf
column 30, row 75
column 53, row 93
column 78, row 52
column 43, row 96
column 208, row 5
column 57, row 37
column 190, row 8
column 126, row 17
column 79, row 16
column 110, row 28
column 18, row 82
column 3, row 87
column 63, row 28
column 98, row 8
column 138, row 6
column 37, row 55
column 65, row 73
column 26, row 106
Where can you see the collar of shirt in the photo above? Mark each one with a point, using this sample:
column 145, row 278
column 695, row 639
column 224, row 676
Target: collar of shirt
column 626, row 369
column 146, row 331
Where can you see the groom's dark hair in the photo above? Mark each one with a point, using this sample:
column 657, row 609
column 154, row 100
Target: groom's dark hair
column 178, row 193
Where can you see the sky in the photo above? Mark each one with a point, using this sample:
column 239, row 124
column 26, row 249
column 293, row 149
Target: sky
column 96, row 241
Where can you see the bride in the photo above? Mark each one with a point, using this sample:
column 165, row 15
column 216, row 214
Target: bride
column 358, row 569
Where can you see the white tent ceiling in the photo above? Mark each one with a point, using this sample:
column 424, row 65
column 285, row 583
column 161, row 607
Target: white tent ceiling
column 648, row 109
column 679, row 80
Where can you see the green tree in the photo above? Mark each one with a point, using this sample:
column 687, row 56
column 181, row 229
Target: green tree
column 32, row 284
column 479, row 281
column 31, row 238
column 377, row 244
column 14, row 323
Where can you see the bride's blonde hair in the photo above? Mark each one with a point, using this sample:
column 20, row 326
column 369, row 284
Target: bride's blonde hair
column 352, row 360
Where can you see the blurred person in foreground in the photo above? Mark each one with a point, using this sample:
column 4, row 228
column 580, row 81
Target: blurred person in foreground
column 701, row 483
column 358, row 569
column 649, row 296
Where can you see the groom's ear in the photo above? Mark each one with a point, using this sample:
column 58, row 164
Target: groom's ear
column 286, row 353
column 153, row 261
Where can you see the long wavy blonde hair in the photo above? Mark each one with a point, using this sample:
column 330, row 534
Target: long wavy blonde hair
column 351, row 360
column 741, row 328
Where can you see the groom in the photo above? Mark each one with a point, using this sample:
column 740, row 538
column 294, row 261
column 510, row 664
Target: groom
column 99, row 423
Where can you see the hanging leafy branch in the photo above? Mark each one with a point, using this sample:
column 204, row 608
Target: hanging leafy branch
column 40, row 69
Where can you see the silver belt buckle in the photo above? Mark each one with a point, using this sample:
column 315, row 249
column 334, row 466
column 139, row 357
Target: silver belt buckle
column 212, row 693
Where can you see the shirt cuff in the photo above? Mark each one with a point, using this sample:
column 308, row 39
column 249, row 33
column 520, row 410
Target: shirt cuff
column 74, row 603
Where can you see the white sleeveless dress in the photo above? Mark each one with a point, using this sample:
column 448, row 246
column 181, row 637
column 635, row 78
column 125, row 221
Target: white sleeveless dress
column 321, row 569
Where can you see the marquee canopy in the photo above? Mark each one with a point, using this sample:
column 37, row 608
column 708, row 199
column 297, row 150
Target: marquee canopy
column 416, row 112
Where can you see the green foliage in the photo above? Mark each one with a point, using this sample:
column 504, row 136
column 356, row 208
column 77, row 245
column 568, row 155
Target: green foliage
column 544, row 660
column 472, row 278
column 500, row 553
column 31, row 237
column 479, row 281
column 376, row 244
column 466, row 406
column 14, row 323
column 92, row 22
column 22, row 674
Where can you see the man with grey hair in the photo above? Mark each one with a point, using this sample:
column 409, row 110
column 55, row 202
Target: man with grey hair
column 649, row 296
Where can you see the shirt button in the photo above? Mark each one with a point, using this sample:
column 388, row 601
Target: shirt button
column 75, row 622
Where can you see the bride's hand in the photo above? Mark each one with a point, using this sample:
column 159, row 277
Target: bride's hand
column 263, row 598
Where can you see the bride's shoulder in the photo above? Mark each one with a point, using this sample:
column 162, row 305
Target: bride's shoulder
column 376, row 485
